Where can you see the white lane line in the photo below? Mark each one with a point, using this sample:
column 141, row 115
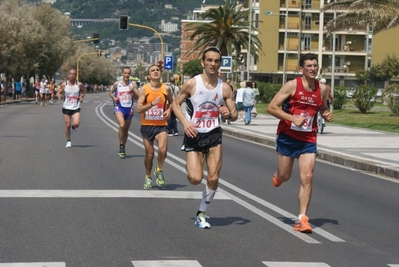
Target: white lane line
column 393, row 265
column 105, row 194
column 294, row 264
column 266, row 204
column 33, row 264
column 167, row 263
column 278, row 210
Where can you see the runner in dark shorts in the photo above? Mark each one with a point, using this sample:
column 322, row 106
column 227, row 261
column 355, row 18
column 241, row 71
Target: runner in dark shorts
column 149, row 132
column 203, row 141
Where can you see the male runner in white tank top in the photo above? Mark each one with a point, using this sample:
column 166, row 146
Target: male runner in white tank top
column 123, row 93
column 73, row 96
column 205, row 94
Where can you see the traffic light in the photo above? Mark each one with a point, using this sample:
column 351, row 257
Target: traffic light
column 96, row 36
column 99, row 52
column 160, row 65
column 123, row 22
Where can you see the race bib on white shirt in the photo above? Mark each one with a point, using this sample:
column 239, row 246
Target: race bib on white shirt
column 206, row 120
column 125, row 98
column 154, row 113
column 307, row 126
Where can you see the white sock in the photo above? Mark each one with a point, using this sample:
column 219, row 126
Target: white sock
column 207, row 197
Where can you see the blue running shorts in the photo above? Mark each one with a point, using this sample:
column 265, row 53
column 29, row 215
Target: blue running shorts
column 292, row 147
column 127, row 112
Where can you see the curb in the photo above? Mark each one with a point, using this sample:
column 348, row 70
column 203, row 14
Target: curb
column 325, row 155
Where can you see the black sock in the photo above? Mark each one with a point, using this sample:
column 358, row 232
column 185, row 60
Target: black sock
column 73, row 127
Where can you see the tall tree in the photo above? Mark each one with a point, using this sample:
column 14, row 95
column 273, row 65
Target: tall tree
column 381, row 14
column 226, row 27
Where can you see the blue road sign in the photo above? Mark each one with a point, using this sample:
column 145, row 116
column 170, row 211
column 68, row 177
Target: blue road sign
column 226, row 64
column 168, row 62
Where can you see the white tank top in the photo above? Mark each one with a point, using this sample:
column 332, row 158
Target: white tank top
column 71, row 94
column 202, row 107
column 124, row 95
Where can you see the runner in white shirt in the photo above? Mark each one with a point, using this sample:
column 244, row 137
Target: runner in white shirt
column 205, row 94
column 73, row 96
column 123, row 93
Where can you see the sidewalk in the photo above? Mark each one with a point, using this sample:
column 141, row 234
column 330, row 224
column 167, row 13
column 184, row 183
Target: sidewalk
column 360, row 149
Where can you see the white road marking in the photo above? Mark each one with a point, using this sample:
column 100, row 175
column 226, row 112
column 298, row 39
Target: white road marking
column 294, row 264
column 167, row 263
column 286, row 227
column 105, row 194
column 33, row 264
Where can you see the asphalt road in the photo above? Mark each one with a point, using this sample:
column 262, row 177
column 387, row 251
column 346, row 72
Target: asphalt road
column 84, row 206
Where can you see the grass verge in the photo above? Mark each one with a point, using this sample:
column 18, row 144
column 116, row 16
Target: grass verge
column 379, row 118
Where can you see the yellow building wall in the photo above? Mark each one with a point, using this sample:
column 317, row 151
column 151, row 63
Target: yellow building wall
column 385, row 43
column 269, row 36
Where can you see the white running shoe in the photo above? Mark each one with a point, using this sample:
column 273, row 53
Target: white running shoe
column 73, row 132
column 201, row 222
column 68, row 144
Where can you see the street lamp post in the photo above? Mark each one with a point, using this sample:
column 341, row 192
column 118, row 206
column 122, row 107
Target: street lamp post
column 249, row 39
column 285, row 43
column 157, row 33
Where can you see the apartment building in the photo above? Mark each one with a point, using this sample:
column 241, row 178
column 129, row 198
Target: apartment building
column 290, row 28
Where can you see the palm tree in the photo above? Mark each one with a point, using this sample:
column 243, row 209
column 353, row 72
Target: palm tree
column 225, row 27
column 381, row 14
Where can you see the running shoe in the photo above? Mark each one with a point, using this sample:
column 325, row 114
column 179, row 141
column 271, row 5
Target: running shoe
column 122, row 152
column 276, row 182
column 68, row 144
column 170, row 134
column 303, row 225
column 160, row 179
column 73, row 132
column 201, row 222
column 176, row 134
column 147, row 183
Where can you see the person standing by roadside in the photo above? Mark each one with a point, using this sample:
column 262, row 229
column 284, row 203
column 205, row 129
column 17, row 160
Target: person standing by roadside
column 205, row 95
column 154, row 103
column 239, row 99
column 172, row 122
column 248, row 97
column 10, row 91
column 17, row 89
column 296, row 105
column 123, row 93
column 254, row 111
column 73, row 95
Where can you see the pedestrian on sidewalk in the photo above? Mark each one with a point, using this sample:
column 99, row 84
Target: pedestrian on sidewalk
column 10, row 91
column 122, row 93
column 254, row 111
column 204, row 95
column 296, row 105
column 248, row 97
column 240, row 107
column 17, row 89
column 154, row 103
column 73, row 95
